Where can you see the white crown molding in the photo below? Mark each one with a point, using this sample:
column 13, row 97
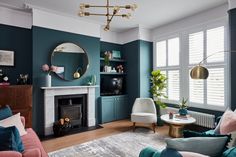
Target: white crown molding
column 15, row 18
column 67, row 24
column 232, row 4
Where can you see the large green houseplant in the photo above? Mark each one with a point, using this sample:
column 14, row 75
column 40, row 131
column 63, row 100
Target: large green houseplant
column 158, row 87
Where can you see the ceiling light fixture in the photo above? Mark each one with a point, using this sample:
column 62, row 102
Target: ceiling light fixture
column 109, row 15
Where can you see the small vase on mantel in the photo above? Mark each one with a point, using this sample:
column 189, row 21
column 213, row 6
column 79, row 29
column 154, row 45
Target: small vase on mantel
column 48, row 80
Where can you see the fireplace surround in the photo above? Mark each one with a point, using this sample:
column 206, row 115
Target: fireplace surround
column 49, row 104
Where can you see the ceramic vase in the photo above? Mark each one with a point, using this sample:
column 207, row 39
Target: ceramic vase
column 93, row 79
column 48, row 80
column 183, row 111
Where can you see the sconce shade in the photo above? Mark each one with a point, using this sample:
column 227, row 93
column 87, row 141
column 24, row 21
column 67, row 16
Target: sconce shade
column 199, row 72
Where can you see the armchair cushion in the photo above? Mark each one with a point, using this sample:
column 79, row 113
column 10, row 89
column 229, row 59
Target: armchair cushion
column 5, row 112
column 10, row 154
column 230, row 152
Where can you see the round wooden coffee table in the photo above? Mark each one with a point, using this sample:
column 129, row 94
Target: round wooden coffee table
column 177, row 124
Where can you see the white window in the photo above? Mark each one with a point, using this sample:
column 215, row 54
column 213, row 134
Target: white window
column 194, row 47
column 210, row 92
column 167, row 60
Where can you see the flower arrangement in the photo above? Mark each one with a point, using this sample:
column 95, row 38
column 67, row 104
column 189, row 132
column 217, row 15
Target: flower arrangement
column 48, row 69
column 120, row 68
column 107, row 57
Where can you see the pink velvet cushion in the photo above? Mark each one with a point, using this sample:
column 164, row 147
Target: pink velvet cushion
column 228, row 122
column 190, row 154
column 10, row 154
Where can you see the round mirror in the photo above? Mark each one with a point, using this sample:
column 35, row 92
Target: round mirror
column 71, row 61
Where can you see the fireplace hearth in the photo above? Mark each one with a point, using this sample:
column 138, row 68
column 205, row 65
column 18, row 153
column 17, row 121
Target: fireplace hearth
column 73, row 107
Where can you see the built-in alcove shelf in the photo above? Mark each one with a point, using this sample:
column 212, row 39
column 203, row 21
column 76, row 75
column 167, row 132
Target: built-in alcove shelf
column 114, row 60
column 49, row 103
column 112, row 73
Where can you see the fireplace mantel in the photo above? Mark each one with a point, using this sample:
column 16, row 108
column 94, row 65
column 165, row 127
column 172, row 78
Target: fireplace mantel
column 49, row 104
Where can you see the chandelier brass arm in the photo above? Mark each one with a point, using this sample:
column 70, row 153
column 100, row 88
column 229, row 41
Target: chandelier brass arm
column 108, row 15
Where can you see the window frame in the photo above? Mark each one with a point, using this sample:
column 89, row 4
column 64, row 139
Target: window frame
column 184, row 65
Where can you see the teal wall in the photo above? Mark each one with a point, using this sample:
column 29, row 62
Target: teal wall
column 18, row 40
column 44, row 41
column 138, row 54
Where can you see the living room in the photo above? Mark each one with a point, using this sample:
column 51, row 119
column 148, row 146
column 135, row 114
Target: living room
column 117, row 78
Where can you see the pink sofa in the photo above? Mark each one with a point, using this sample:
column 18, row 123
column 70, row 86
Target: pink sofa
column 32, row 144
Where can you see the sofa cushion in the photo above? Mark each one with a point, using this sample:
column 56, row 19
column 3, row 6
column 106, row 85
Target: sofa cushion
column 7, row 140
column 230, row 152
column 5, row 112
column 228, row 122
column 189, row 133
column 17, row 138
column 31, row 141
column 14, row 120
column 211, row 146
column 191, row 154
column 169, row 152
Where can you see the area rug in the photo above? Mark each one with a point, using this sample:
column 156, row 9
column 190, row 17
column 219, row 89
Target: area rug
column 127, row 144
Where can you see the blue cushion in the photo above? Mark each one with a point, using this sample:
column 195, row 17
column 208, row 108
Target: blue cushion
column 230, row 152
column 5, row 112
column 7, row 141
column 149, row 152
column 168, row 152
column 16, row 143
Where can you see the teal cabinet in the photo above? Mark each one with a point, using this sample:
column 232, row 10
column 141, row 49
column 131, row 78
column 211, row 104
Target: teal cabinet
column 114, row 108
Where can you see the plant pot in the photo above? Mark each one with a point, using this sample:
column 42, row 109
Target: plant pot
column 48, row 80
column 183, row 111
column 107, row 68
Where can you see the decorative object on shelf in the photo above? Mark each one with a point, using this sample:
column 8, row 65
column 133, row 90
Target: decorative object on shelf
column 116, row 54
column 71, row 59
column 4, row 80
column 107, row 58
column 23, row 79
column 183, row 107
column 48, row 78
column 120, row 68
column 201, row 72
column 61, row 127
column 113, row 70
column 92, row 80
column 109, row 16
column 158, row 81
column 6, row 58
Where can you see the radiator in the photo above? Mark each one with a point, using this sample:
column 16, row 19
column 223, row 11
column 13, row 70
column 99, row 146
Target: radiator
column 202, row 119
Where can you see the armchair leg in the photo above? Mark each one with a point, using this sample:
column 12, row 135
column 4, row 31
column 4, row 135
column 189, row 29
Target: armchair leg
column 154, row 127
column 133, row 126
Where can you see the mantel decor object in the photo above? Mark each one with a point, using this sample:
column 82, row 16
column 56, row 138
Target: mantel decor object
column 48, row 77
column 108, row 14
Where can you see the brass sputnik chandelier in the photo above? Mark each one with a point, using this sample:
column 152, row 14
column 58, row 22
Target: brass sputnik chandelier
column 109, row 15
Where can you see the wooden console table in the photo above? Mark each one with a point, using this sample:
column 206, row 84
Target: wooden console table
column 19, row 98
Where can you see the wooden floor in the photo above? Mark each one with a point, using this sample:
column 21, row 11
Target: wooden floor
column 109, row 129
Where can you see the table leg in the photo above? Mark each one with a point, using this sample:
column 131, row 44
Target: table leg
column 176, row 130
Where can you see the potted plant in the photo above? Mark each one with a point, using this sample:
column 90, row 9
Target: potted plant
column 107, row 57
column 183, row 107
column 158, row 81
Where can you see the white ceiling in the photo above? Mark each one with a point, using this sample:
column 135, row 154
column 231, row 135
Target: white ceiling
column 150, row 13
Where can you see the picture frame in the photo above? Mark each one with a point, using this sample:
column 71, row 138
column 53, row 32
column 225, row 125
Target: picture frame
column 6, row 58
column 116, row 54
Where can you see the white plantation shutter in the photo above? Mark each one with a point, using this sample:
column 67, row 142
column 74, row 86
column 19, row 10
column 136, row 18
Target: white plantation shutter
column 173, row 51
column 212, row 90
column 173, row 85
column 215, row 43
column 196, row 91
column 161, row 53
column 216, row 87
column 196, row 47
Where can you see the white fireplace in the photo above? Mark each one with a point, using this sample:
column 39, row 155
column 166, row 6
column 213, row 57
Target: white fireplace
column 49, row 104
